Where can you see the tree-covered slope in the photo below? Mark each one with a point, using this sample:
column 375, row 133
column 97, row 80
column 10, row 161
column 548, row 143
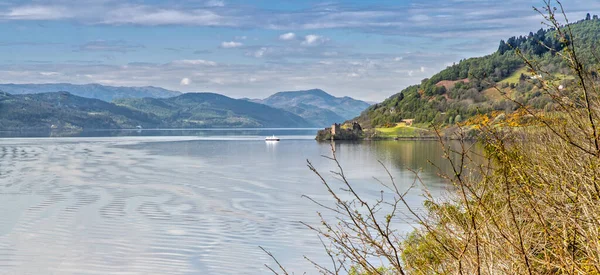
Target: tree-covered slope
column 479, row 85
column 317, row 116
column 106, row 93
column 213, row 110
column 63, row 110
column 316, row 106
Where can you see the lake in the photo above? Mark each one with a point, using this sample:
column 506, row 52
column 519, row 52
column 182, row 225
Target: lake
column 182, row 201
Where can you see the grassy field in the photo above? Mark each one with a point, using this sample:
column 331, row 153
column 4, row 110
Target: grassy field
column 400, row 130
column 514, row 78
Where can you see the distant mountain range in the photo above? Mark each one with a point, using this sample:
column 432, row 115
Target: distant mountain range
column 68, row 106
column 213, row 110
column 316, row 106
column 106, row 93
column 62, row 110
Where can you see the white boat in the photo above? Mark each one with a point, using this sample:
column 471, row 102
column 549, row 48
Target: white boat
column 273, row 138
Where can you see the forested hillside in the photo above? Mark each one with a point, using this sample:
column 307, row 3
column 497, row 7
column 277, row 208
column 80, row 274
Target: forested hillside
column 65, row 111
column 480, row 85
column 213, row 110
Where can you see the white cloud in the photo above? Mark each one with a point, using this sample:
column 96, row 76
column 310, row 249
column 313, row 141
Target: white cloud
column 49, row 73
column 231, row 45
column 152, row 16
column 215, row 3
column 38, row 13
column 260, row 52
column 185, row 81
column 194, row 62
column 287, row 36
column 399, row 58
column 313, row 39
column 422, row 69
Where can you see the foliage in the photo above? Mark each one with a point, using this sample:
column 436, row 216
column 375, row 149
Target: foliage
column 462, row 89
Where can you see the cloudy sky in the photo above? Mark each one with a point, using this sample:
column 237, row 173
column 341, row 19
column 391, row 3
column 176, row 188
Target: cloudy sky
column 253, row 48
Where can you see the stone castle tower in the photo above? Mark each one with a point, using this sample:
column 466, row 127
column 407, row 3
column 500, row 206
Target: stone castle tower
column 335, row 128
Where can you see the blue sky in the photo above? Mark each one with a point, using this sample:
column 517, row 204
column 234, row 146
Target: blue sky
column 364, row 49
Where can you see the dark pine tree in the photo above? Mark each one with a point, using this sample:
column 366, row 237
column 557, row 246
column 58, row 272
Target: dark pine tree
column 503, row 47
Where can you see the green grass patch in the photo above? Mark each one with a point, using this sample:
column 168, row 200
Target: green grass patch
column 400, row 130
column 514, row 77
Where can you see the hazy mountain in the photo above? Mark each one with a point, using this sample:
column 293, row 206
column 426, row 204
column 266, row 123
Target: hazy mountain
column 213, row 110
column 67, row 111
column 106, row 93
column 63, row 110
column 317, row 116
column 316, row 106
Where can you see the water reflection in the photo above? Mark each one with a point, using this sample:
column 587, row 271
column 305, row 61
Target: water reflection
column 425, row 155
column 271, row 145
column 200, row 204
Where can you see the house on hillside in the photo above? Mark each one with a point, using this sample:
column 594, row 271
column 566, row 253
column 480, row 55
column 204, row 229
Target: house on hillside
column 408, row 122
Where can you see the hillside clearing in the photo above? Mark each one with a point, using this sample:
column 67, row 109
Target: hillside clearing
column 514, row 77
column 400, row 130
column 448, row 84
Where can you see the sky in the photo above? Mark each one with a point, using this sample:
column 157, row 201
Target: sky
column 368, row 50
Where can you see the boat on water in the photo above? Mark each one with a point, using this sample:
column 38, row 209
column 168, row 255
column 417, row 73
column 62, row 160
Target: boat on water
column 273, row 138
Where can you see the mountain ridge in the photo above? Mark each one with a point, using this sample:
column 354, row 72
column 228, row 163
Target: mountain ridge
column 214, row 110
column 65, row 111
column 62, row 110
column 316, row 105
column 92, row 90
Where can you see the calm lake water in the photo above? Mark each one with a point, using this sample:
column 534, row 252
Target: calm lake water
column 192, row 202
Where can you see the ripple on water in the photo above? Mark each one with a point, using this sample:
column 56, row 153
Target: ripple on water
column 91, row 207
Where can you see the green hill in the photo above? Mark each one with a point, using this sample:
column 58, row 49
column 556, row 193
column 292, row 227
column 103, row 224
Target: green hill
column 62, row 110
column 213, row 110
column 468, row 88
column 316, row 106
